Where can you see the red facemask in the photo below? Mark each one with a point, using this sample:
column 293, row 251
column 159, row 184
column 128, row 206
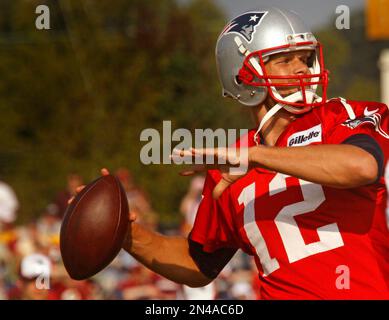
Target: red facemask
column 305, row 99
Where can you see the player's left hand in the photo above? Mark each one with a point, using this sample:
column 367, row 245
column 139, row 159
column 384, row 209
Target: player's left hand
column 233, row 164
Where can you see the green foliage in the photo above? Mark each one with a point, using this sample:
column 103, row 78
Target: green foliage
column 76, row 98
column 352, row 60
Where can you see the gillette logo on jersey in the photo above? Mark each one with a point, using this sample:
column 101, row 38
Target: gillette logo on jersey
column 245, row 25
column 305, row 137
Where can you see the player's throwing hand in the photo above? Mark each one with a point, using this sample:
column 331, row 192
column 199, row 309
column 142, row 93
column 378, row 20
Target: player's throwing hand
column 233, row 164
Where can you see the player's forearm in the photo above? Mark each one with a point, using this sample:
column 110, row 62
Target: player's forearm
column 167, row 256
column 338, row 166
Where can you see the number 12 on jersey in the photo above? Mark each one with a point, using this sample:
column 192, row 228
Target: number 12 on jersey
column 292, row 239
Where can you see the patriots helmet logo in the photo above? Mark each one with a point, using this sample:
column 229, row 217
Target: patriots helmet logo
column 245, row 25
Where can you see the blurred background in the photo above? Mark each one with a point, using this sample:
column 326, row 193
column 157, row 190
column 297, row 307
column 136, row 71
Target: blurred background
column 75, row 98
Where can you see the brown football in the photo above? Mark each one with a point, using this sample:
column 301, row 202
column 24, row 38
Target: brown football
column 94, row 227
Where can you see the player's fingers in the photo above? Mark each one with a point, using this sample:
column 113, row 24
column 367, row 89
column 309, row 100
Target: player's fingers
column 204, row 152
column 182, row 153
column 79, row 189
column 187, row 173
column 180, row 156
column 70, row 200
column 233, row 158
column 221, row 156
column 104, row 172
column 224, row 183
column 220, row 187
column 132, row 216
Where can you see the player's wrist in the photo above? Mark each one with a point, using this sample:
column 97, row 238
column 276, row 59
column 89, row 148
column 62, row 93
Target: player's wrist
column 254, row 155
column 140, row 239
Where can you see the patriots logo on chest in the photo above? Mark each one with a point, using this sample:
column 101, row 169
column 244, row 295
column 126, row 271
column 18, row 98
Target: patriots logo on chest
column 245, row 25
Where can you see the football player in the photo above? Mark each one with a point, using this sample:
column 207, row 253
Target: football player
column 311, row 207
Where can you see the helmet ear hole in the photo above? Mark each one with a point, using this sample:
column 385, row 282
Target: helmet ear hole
column 238, row 81
column 311, row 60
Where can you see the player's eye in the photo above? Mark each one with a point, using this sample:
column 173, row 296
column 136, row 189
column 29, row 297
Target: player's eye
column 307, row 59
column 304, row 59
column 283, row 61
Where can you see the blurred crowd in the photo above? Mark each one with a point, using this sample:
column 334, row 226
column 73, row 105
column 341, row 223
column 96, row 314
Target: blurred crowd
column 31, row 265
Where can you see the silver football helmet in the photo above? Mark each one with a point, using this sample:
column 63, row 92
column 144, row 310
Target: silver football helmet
column 246, row 44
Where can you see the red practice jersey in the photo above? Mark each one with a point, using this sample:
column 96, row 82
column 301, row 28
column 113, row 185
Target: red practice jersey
column 309, row 241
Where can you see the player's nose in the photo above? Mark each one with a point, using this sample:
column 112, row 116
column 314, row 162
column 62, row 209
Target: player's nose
column 300, row 67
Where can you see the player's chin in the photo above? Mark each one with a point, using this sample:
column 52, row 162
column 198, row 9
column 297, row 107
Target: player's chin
column 286, row 93
column 297, row 110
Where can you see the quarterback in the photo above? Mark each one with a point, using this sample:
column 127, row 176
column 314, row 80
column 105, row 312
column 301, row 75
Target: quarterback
column 314, row 197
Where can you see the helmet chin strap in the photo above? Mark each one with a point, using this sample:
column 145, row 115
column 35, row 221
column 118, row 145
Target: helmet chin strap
column 311, row 96
column 265, row 119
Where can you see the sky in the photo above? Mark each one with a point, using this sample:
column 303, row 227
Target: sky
column 315, row 13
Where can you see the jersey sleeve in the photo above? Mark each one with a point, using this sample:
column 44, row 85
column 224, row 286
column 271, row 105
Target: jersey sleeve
column 213, row 227
column 368, row 129
column 370, row 119
column 370, row 145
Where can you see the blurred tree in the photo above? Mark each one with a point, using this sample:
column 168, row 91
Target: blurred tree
column 76, row 97
column 352, row 60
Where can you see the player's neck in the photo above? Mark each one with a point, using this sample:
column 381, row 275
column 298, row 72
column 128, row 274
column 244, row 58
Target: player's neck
column 274, row 127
